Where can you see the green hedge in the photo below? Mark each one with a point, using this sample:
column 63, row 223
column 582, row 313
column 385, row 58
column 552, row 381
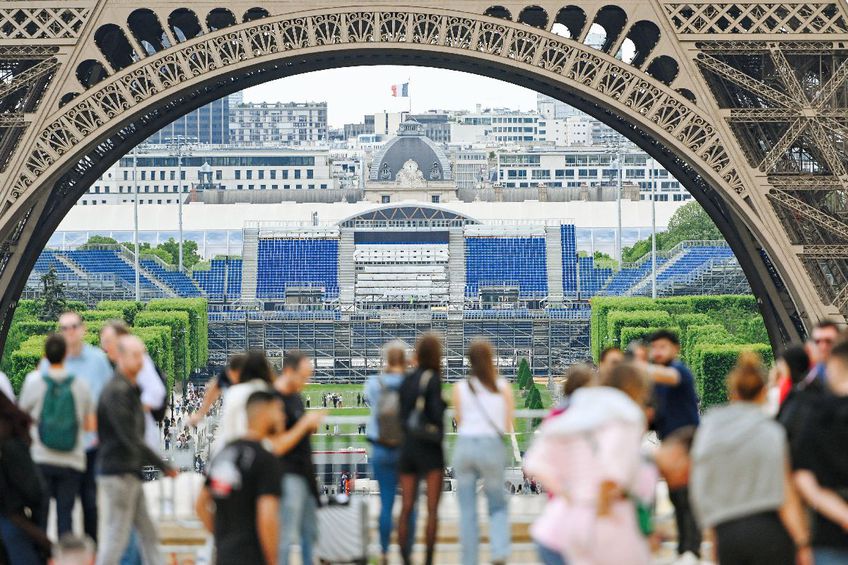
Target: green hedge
column 715, row 361
column 127, row 308
column 101, row 315
column 697, row 335
column 25, row 359
column 23, row 326
column 633, row 319
column 630, row 333
column 197, row 309
column 178, row 322
column 157, row 340
column 602, row 306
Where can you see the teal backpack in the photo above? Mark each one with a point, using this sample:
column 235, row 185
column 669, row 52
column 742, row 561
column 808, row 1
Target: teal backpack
column 58, row 425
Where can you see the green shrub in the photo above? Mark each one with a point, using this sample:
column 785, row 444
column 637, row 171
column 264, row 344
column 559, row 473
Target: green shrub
column 27, row 308
column 695, row 335
column 25, row 359
column 23, row 326
column 634, row 319
column 630, row 333
column 715, row 361
column 198, row 312
column 157, row 340
column 178, row 322
column 601, row 307
column 128, row 308
column 101, row 315
column 525, row 378
column 686, row 320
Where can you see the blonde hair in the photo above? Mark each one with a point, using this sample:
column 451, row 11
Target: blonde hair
column 748, row 378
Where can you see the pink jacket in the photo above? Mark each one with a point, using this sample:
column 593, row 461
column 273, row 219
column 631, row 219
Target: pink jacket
column 597, row 439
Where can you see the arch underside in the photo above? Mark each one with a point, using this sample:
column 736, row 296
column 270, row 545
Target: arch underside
column 65, row 160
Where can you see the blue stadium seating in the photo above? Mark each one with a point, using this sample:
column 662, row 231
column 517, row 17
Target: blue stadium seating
column 592, row 279
column 107, row 261
column 175, row 280
column 48, row 259
column 212, row 281
column 569, row 261
column 297, row 262
column 496, row 261
column 626, row 278
column 691, row 259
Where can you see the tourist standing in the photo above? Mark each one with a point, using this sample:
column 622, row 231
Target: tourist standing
column 240, row 503
column 122, row 455
column 422, row 456
column 21, row 490
column 610, row 358
column 821, row 463
column 62, row 410
column 255, row 375
column 825, row 334
column 89, row 364
column 740, row 483
column 676, row 406
column 484, row 410
column 299, row 504
column 589, row 459
column 385, row 433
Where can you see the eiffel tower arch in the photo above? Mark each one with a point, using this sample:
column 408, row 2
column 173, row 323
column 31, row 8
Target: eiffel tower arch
column 746, row 103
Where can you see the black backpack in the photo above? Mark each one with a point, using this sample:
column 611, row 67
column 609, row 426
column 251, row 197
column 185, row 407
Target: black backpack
column 159, row 413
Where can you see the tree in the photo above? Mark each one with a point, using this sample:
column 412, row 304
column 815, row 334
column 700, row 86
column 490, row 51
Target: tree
column 53, row 301
column 525, row 379
column 99, row 240
column 692, row 222
column 172, row 247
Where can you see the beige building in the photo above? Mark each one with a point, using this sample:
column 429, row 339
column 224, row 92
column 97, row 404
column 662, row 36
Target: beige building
column 410, row 167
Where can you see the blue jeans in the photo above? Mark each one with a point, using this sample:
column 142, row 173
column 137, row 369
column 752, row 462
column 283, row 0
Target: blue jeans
column 384, row 460
column 830, row 556
column 549, row 556
column 132, row 555
column 62, row 484
column 298, row 518
column 19, row 547
column 481, row 458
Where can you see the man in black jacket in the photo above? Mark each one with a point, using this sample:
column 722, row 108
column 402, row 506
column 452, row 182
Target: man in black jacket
column 121, row 458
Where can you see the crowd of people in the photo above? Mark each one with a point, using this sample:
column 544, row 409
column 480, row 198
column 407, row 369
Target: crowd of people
column 766, row 474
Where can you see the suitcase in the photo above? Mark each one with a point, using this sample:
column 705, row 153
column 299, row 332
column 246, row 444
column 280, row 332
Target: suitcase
column 343, row 531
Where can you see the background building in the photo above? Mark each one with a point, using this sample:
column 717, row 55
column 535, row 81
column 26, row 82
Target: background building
column 287, row 124
column 207, row 124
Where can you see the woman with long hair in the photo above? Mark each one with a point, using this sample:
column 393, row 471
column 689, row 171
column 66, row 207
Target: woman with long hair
column 740, row 482
column 422, row 412
column 484, row 409
column 20, row 490
column 256, row 375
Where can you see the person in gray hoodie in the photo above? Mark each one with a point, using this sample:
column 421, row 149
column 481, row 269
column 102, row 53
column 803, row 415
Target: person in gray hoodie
column 740, row 484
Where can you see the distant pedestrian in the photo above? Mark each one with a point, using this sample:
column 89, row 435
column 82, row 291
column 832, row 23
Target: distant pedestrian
column 299, row 502
column 241, row 500
column 484, row 409
column 740, row 483
column 422, row 455
column 62, row 409
column 122, row 455
column 385, row 433
column 676, row 405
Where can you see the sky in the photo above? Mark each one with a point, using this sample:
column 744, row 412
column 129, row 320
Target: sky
column 352, row 92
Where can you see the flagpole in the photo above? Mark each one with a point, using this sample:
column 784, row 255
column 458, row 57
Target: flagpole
column 409, row 93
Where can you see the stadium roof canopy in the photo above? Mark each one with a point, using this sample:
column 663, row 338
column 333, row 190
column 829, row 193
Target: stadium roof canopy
column 407, row 216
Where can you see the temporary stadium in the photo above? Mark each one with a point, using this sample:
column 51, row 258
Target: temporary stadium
column 341, row 290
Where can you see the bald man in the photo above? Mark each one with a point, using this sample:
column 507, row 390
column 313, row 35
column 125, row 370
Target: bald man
column 121, row 457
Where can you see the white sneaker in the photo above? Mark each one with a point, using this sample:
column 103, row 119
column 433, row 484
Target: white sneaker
column 688, row 558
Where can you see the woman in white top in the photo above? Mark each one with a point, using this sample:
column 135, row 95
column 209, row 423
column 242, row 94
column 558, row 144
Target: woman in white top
column 484, row 407
column 256, row 375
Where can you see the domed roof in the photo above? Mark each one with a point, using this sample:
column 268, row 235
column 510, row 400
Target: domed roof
column 410, row 144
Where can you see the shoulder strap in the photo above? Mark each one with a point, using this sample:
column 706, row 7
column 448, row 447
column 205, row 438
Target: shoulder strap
column 421, row 399
column 482, row 408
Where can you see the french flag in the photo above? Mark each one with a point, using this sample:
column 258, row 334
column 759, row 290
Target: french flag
column 400, row 90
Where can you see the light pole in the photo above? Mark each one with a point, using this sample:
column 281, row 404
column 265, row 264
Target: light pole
column 618, row 204
column 653, row 229
column 180, row 198
column 135, row 224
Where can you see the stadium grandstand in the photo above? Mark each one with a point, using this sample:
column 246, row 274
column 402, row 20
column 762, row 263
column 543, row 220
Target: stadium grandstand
column 341, row 290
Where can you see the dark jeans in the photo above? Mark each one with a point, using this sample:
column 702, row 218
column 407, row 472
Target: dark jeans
column 88, row 495
column 688, row 532
column 63, row 485
column 760, row 539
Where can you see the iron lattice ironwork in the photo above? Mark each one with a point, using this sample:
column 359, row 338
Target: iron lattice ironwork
column 745, row 102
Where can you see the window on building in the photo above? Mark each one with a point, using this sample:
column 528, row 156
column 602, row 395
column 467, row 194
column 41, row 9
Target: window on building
column 143, row 175
column 249, row 174
column 385, row 199
column 126, row 175
column 238, row 174
column 219, row 174
column 285, row 174
column 323, row 186
column 297, row 173
column 182, row 175
column 435, row 198
column 173, row 175
column 261, row 173
column 273, row 173
column 309, row 173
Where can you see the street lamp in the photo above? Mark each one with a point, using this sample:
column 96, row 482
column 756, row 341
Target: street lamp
column 651, row 164
column 180, row 141
column 618, row 202
column 135, row 224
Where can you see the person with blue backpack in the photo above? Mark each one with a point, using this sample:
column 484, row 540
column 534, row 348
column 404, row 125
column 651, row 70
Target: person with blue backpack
column 62, row 410
column 385, row 433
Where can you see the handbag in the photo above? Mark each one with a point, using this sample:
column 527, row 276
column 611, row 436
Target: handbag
column 417, row 426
